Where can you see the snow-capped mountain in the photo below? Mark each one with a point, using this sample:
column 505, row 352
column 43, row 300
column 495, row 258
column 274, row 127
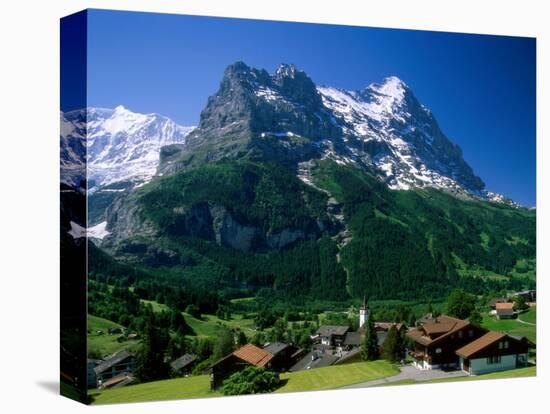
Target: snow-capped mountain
column 411, row 151
column 120, row 145
column 283, row 117
column 287, row 118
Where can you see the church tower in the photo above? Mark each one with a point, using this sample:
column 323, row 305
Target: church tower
column 363, row 313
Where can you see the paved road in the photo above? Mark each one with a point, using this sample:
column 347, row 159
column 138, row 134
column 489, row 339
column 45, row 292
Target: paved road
column 412, row 373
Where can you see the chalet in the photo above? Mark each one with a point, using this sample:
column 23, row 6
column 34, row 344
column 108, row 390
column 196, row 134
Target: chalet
column 504, row 310
column 493, row 351
column 436, row 341
column 332, row 335
column 248, row 355
column 122, row 362
column 184, row 364
column 493, row 302
column 284, row 355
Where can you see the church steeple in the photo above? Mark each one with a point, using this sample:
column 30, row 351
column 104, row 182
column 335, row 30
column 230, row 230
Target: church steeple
column 364, row 312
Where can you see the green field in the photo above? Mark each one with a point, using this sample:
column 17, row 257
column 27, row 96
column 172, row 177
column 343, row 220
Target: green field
column 191, row 387
column 104, row 343
column 336, row 376
column 199, row 386
column 513, row 373
column 511, row 326
column 530, row 316
column 209, row 325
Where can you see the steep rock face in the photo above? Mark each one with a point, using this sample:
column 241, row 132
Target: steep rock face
column 207, row 221
column 386, row 127
column 258, row 116
column 285, row 117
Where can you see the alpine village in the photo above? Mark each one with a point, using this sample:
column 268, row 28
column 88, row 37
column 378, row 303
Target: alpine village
column 300, row 237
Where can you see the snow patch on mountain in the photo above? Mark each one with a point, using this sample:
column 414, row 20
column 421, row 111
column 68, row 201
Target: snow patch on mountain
column 119, row 145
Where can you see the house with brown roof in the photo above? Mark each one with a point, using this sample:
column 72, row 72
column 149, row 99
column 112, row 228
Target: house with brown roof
column 504, row 310
column 494, row 351
column 437, row 339
column 236, row 361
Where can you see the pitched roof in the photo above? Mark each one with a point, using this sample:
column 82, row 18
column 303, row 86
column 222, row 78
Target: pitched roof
column 484, row 341
column 183, row 361
column 504, row 305
column 494, row 301
column 329, row 330
column 276, row 347
column 253, row 355
column 386, row 326
column 443, row 325
column 314, row 359
column 352, row 338
column 112, row 361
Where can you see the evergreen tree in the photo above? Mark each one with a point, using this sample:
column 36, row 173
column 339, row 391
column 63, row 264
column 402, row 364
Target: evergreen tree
column 460, row 304
column 224, row 345
column 393, row 347
column 475, row 318
column 369, row 348
column 241, row 339
column 151, row 364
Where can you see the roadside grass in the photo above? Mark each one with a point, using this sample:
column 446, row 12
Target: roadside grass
column 104, row 343
column 530, row 316
column 171, row 389
column 511, row 326
column 336, row 376
column 513, row 373
column 199, row 386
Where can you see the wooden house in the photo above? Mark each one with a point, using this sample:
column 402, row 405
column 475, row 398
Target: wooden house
column 122, row 362
column 436, row 341
column 493, row 351
column 236, row 361
column 332, row 335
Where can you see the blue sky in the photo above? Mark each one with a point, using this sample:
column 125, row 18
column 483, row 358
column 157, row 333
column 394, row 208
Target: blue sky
column 480, row 88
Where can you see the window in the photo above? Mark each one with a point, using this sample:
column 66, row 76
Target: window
column 493, row 360
column 500, row 345
column 438, row 350
column 471, row 333
column 460, row 334
column 506, row 344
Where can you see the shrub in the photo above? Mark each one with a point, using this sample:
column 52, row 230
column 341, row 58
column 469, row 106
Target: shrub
column 251, row 380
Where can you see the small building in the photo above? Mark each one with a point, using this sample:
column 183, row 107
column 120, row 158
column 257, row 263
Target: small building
column 494, row 351
column 122, row 362
column 493, row 302
column 284, row 355
column 504, row 310
column 184, row 364
column 353, row 339
column 332, row 335
column 437, row 340
column 316, row 358
column 528, row 295
column 236, row 361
